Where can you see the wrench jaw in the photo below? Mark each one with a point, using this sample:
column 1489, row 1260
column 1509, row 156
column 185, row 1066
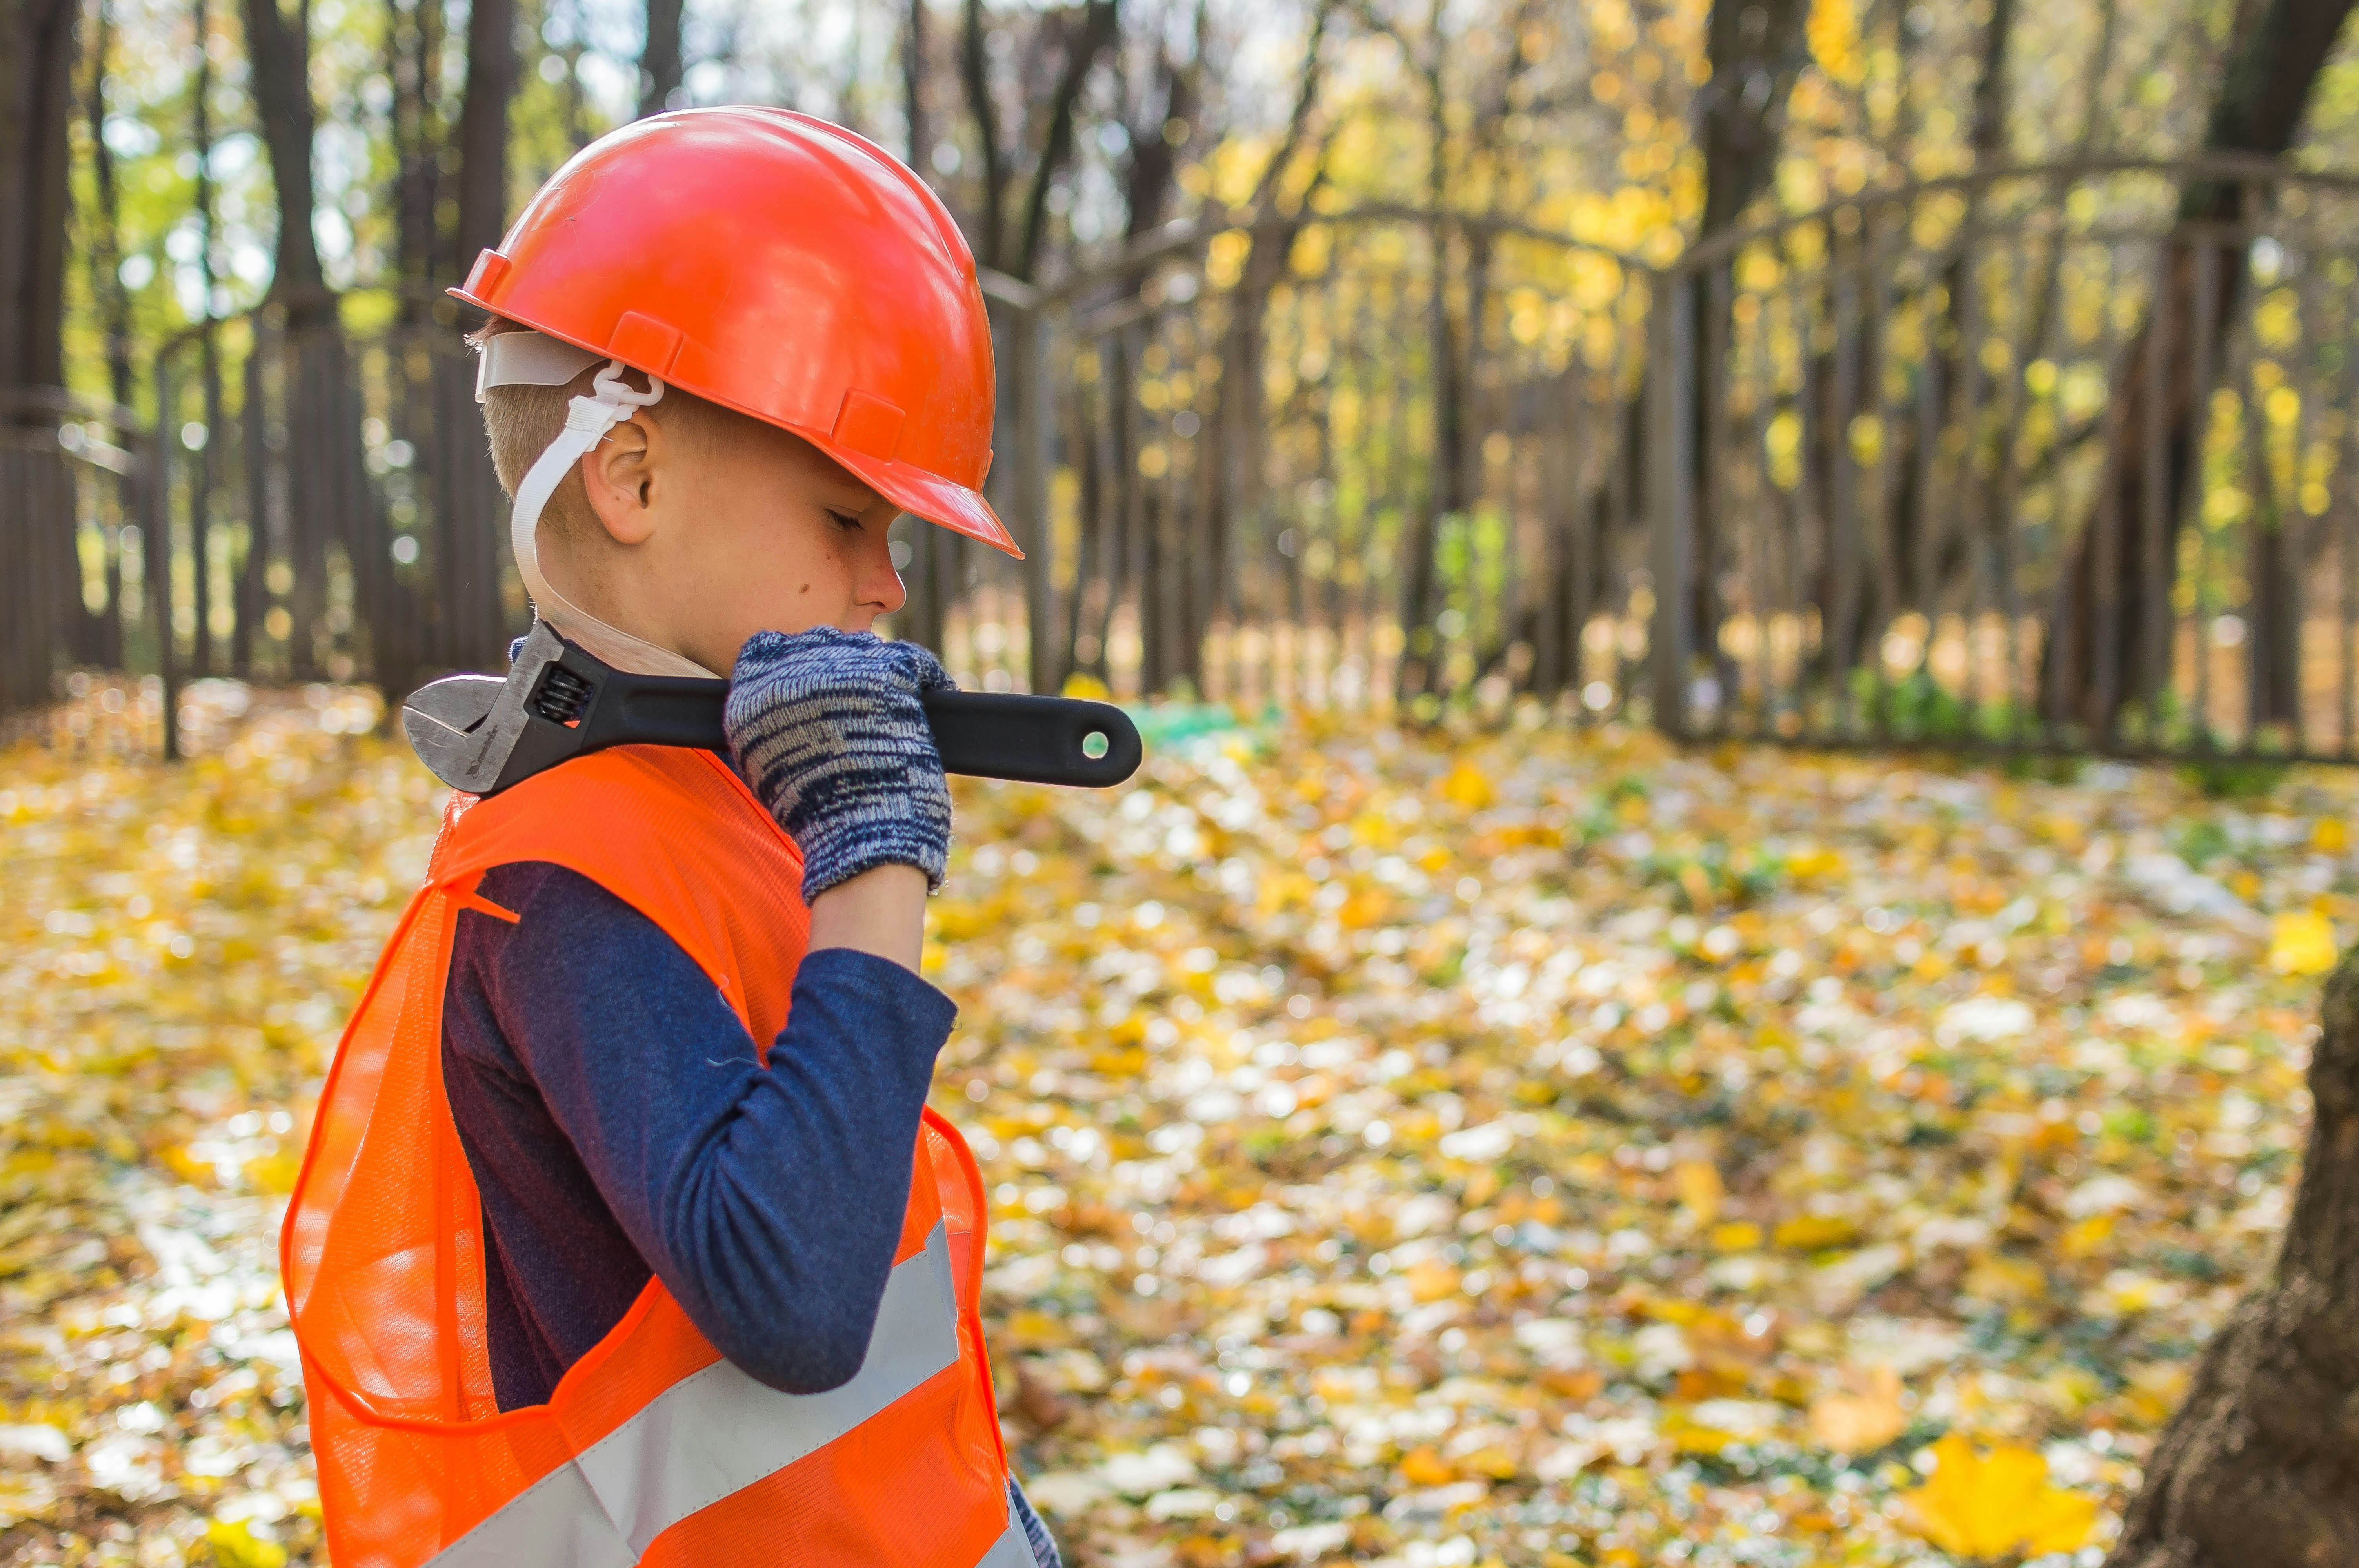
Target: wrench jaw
column 444, row 723
column 465, row 728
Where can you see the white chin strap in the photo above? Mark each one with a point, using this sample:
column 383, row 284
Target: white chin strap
column 511, row 359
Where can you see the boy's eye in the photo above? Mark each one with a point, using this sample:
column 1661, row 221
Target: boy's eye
column 847, row 521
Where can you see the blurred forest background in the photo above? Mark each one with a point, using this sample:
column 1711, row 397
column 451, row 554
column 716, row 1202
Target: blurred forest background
column 1799, row 368
column 1431, row 1118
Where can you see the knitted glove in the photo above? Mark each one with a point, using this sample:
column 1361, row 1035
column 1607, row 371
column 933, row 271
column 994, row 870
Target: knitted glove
column 826, row 727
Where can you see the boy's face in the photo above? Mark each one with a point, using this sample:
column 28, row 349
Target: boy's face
column 705, row 542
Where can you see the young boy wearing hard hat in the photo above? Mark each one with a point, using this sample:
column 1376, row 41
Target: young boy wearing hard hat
column 626, row 1234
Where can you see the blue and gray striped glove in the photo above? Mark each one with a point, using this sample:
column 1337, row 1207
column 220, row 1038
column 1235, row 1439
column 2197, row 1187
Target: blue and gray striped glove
column 827, row 728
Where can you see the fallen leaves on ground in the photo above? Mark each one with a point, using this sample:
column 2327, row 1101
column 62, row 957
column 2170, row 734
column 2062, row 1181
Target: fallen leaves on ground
column 1524, row 1147
column 1997, row 1505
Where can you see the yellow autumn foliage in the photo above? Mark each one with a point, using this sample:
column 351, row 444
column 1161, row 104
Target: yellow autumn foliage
column 1999, row 1504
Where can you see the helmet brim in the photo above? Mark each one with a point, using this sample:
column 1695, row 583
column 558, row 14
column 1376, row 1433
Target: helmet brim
column 920, row 493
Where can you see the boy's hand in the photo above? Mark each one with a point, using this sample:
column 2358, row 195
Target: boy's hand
column 826, row 727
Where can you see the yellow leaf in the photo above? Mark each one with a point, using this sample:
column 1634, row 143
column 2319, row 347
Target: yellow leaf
column 2302, row 943
column 2331, row 836
column 1086, row 686
column 1814, row 1232
column 274, row 1173
column 235, row 1545
column 1864, row 1422
column 1701, row 1440
column 1996, row 1278
column 2086, row 1237
column 188, row 1167
column 1494, row 1461
column 1431, row 1280
column 1700, row 1189
column 1424, row 1467
column 1997, row 1504
column 1736, row 1236
column 1035, row 1330
column 1467, row 786
column 1814, row 864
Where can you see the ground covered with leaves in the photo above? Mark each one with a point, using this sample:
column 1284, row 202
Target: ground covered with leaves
column 1501, row 1146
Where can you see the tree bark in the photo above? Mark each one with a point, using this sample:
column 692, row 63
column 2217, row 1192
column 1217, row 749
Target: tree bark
column 974, row 73
column 492, row 68
column 36, row 52
column 660, row 67
column 2260, row 1466
column 1081, row 33
column 1755, row 49
column 205, row 483
column 413, row 49
column 1419, row 672
column 112, row 303
column 2279, row 48
column 1088, row 35
column 37, row 518
column 913, row 87
column 106, row 228
column 1153, row 160
column 280, row 48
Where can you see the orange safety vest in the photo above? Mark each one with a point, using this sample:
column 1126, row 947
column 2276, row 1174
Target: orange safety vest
column 654, row 1449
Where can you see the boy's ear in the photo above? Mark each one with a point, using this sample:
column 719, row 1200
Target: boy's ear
column 622, row 474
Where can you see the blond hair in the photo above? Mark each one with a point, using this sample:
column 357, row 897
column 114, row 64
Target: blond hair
column 519, row 423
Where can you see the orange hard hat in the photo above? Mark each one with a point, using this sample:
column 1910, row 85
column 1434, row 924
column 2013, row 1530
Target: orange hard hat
column 781, row 267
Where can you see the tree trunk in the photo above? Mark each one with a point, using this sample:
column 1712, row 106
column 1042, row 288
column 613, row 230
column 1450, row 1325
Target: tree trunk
column 113, row 304
column 660, row 67
column 1755, row 51
column 2280, row 48
column 205, row 483
column 1153, row 161
column 1946, row 363
column 413, row 49
column 913, row 87
column 1087, row 35
column 2260, row 1466
column 36, row 52
column 106, row 229
column 280, row 50
column 1756, row 48
column 36, row 515
column 974, row 72
column 1419, row 672
column 483, row 126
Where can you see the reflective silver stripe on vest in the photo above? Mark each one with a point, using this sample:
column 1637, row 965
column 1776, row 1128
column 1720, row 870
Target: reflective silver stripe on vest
column 718, row 1431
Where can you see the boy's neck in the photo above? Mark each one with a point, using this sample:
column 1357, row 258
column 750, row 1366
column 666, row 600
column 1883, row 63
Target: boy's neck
column 621, row 651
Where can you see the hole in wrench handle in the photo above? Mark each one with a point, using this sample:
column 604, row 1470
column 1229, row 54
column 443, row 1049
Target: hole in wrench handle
column 1032, row 740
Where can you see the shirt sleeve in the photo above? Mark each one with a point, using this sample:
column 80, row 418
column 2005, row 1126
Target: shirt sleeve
column 768, row 1199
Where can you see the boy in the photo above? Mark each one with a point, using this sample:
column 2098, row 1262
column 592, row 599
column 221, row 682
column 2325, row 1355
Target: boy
column 604, row 1252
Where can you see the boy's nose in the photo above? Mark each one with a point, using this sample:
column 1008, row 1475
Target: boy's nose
column 883, row 586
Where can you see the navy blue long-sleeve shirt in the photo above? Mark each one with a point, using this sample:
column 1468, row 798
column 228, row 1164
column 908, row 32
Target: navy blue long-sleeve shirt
column 619, row 1123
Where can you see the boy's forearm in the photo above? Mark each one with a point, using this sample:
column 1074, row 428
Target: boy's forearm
column 881, row 911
